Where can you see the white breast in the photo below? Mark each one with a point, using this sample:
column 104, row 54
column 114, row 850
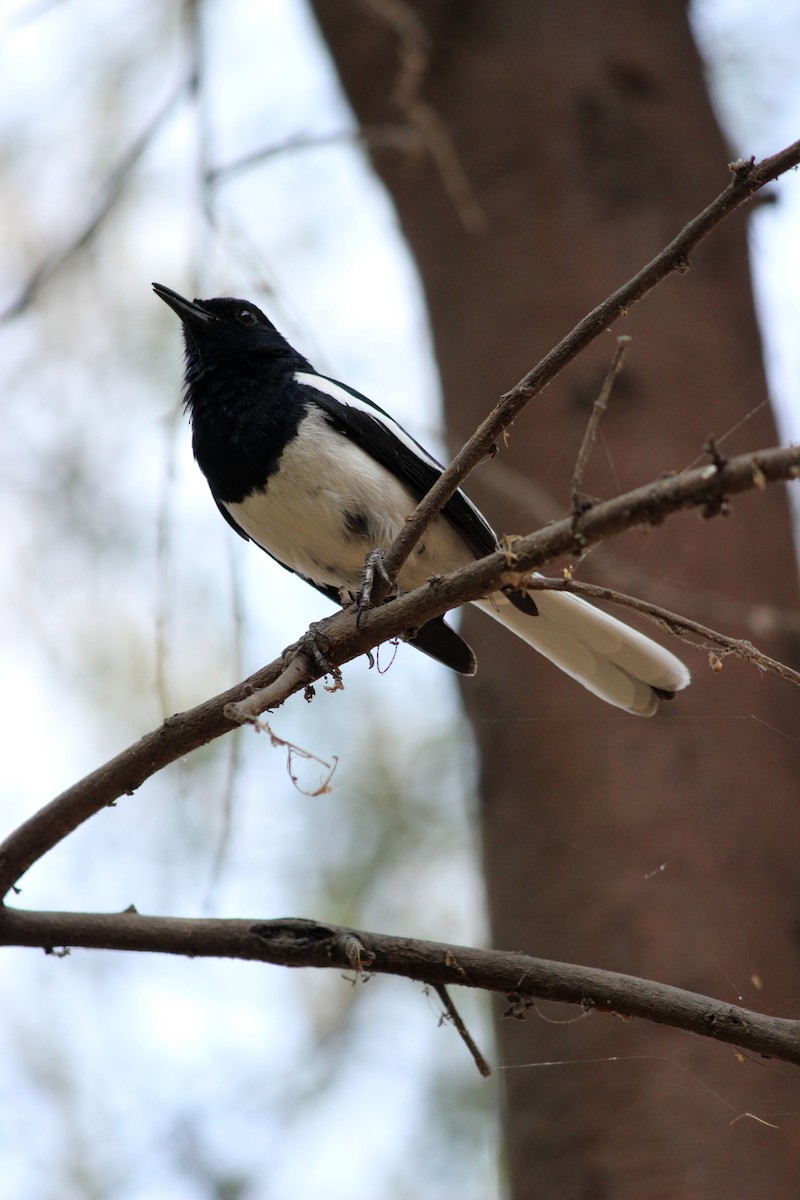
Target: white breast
column 301, row 516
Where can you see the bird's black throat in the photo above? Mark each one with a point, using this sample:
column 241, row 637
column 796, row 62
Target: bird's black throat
column 243, row 414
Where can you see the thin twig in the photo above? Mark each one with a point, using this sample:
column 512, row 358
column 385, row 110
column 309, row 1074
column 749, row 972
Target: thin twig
column 414, row 54
column 674, row 623
column 163, row 559
column 114, row 185
column 598, row 408
column 236, row 743
column 376, row 137
column 454, row 1016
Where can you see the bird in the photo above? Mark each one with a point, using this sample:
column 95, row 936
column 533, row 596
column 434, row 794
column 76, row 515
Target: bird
column 319, row 476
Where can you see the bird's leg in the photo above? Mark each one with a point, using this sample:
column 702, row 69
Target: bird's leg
column 373, row 569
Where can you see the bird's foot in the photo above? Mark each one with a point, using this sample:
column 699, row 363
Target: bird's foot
column 316, row 645
column 374, row 570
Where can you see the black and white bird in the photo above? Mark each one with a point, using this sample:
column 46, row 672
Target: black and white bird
column 318, row 476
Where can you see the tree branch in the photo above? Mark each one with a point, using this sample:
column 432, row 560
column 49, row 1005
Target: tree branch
column 348, row 635
column 748, row 178
column 674, row 623
column 295, row 942
column 375, row 137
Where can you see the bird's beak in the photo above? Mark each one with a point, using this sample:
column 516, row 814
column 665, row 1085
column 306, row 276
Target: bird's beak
column 191, row 312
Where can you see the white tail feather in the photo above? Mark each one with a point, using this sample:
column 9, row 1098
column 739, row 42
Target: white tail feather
column 612, row 660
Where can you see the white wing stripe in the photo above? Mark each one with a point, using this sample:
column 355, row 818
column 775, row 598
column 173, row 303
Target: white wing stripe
column 335, row 390
column 346, row 398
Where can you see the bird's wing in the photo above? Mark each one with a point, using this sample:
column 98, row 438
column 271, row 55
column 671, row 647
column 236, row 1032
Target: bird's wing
column 359, row 419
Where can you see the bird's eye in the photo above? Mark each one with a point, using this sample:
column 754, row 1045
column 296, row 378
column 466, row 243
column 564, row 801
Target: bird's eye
column 246, row 316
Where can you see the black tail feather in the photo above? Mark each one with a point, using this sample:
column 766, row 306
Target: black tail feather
column 436, row 639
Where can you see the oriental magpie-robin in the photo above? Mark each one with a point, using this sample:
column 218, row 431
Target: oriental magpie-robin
column 318, row 476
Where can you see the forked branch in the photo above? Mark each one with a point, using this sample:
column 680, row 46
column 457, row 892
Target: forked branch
column 748, row 178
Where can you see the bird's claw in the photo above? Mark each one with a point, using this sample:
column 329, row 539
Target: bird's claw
column 373, row 569
column 312, row 644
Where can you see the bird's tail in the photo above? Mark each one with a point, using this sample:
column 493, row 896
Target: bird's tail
column 612, row 660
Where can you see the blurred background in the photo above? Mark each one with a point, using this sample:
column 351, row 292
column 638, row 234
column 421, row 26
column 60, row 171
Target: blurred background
column 210, row 146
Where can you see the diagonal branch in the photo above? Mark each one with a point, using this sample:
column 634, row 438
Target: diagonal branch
column 522, row 979
column 348, row 635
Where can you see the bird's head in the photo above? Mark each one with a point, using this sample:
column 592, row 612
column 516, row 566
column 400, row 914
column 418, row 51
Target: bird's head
column 216, row 330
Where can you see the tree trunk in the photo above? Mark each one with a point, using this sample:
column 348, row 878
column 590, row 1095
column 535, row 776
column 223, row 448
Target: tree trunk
column 665, row 848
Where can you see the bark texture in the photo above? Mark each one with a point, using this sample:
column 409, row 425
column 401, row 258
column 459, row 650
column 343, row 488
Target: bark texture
column 665, row 848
